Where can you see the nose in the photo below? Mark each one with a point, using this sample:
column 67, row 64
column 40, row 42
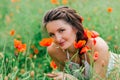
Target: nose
column 58, row 38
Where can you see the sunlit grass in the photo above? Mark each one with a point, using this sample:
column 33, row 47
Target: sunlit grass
column 25, row 18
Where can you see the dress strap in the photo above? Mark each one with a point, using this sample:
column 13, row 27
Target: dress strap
column 68, row 56
column 85, row 57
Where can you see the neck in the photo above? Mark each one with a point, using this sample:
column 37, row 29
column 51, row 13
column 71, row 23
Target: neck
column 72, row 50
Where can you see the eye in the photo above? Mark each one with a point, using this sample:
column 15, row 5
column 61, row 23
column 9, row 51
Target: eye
column 61, row 30
column 51, row 35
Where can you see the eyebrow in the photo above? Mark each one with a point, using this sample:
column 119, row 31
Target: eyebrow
column 58, row 29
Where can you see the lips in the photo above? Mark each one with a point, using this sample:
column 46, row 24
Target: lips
column 61, row 43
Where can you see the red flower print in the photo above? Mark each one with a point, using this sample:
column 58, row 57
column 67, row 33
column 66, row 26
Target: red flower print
column 95, row 56
column 94, row 41
column 46, row 42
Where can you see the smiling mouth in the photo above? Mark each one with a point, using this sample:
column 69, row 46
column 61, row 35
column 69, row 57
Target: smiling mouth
column 61, row 44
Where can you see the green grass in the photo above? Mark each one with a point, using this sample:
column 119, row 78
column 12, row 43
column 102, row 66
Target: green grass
column 25, row 17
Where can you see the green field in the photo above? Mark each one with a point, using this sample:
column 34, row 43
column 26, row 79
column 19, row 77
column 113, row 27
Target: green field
column 25, row 18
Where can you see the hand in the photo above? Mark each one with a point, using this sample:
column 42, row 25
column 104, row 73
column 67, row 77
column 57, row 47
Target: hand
column 57, row 75
column 61, row 76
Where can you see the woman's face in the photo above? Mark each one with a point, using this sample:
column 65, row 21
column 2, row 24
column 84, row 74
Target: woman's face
column 63, row 33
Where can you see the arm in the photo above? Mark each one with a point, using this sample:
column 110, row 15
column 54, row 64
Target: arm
column 58, row 75
column 61, row 76
column 100, row 65
column 53, row 54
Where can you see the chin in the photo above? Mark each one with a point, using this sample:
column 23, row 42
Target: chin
column 64, row 47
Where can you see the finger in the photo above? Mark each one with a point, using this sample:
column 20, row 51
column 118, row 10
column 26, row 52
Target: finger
column 60, row 77
column 51, row 75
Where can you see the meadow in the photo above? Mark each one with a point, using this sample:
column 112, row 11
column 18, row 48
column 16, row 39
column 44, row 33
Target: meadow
column 21, row 24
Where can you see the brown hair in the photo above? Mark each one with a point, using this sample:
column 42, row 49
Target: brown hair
column 68, row 15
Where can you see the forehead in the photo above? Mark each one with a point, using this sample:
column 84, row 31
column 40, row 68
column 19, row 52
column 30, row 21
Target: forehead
column 57, row 24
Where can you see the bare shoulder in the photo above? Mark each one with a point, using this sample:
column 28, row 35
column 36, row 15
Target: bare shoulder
column 100, row 44
column 102, row 48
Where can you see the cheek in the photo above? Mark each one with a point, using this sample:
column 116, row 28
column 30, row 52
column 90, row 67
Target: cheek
column 71, row 36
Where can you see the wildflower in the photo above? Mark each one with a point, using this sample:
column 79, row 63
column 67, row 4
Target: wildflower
column 94, row 34
column 46, row 42
column 88, row 18
column 109, row 10
column 95, row 55
column 64, row 1
column 54, row 1
column 53, row 65
column 82, row 19
column 6, row 78
column 22, row 71
column 32, row 73
column 31, row 55
column 84, row 49
column 36, row 51
column 116, row 47
column 109, row 38
column 16, row 78
column 90, row 34
column 34, row 56
column 14, row 1
column 32, row 46
column 15, row 68
column 19, row 46
column 79, row 44
column 87, row 33
column 32, row 65
column 12, row 32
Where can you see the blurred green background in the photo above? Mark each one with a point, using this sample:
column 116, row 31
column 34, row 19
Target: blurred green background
column 25, row 18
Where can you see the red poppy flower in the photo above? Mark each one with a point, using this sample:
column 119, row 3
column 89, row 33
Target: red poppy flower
column 19, row 46
column 46, row 42
column 36, row 51
column 87, row 33
column 12, row 32
column 53, row 65
column 64, row 1
column 84, row 49
column 54, row 2
column 94, row 34
column 109, row 10
column 79, row 44
column 90, row 34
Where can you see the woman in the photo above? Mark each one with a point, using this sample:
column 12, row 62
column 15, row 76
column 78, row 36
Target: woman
column 75, row 45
